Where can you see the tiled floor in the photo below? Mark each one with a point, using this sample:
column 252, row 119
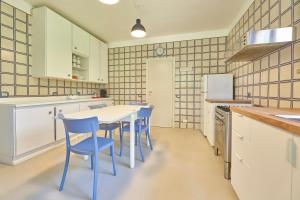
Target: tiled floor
column 182, row 166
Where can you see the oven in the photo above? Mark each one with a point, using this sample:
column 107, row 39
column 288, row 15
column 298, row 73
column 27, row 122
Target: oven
column 223, row 137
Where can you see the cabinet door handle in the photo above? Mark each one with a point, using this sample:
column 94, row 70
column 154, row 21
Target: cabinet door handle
column 75, row 47
column 69, row 75
column 292, row 152
column 239, row 157
column 239, row 136
column 50, row 112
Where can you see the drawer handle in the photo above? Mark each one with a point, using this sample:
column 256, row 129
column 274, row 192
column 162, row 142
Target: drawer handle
column 239, row 136
column 239, row 157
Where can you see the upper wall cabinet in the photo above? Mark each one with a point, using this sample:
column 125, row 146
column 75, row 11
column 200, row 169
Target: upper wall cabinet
column 94, row 60
column 81, row 41
column 103, row 62
column 52, row 46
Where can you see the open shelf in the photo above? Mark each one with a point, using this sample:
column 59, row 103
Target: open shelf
column 79, row 68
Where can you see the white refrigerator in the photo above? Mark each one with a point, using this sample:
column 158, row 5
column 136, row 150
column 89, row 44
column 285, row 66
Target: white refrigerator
column 214, row 86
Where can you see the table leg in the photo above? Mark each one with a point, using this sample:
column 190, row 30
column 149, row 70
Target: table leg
column 132, row 141
column 148, row 143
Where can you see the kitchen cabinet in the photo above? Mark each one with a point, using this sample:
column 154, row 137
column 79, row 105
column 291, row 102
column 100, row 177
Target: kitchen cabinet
column 260, row 160
column 94, row 60
column 103, row 62
column 81, row 41
column 29, row 128
column 51, row 44
column 34, row 128
column 295, row 158
column 64, row 109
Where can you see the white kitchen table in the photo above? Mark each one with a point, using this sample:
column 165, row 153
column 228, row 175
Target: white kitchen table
column 112, row 114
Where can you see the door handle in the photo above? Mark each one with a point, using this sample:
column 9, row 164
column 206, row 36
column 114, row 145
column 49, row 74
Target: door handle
column 292, row 153
column 239, row 136
column 239, row 157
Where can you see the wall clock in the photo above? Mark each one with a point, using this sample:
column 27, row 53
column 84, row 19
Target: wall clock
column 159, row 51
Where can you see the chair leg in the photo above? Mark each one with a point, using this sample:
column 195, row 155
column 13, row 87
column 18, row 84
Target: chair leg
column 105, row 133
column 110, row 136
column 61, row 187
column 92, row 162
column 140, row 146
column 113, row 159
column 95, row 177
column 121, row 143
column 149, row 138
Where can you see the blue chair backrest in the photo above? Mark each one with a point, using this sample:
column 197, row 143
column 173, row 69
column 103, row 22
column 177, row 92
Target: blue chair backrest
column 102, row 105
column 145, row 114
column 81, row 125
column 136, row 103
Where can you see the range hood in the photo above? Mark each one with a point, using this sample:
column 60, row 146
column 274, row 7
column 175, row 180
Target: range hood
column 256, row 44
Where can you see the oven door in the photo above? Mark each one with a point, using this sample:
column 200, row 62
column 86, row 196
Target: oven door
column 219, row 132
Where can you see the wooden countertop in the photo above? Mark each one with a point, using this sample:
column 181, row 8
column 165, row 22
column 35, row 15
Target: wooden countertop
column 240, row 101
column 266, row 115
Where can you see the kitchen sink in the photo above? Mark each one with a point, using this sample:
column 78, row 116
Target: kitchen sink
column 291, row 117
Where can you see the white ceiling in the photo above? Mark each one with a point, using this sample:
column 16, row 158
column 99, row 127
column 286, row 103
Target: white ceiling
column 160, row 17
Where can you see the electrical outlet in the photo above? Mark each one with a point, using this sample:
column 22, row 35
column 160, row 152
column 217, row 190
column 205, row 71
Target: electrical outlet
column 4, row 94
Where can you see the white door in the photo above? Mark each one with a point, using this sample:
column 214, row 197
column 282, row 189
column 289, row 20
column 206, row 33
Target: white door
column 160, row 73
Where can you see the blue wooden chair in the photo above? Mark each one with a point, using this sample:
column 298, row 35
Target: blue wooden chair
column 137, row 103
column 90, row 146
column 142, row 125
column 106, row 127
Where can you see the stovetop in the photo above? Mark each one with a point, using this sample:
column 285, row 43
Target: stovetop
column 224, row 108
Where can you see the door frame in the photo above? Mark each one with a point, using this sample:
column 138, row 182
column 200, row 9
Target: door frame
column 170, row 59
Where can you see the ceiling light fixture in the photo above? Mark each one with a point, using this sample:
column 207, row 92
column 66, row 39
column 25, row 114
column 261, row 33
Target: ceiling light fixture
column 138, row 30
column 109, row 2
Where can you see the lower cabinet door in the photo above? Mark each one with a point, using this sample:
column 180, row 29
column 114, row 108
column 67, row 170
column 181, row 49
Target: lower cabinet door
column 296, row 169
column 64, row 109
column 270, row 166
column 34, row 128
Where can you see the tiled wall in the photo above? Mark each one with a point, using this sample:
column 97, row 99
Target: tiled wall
column 15, row 60
column 127, row 73
column 273, row 80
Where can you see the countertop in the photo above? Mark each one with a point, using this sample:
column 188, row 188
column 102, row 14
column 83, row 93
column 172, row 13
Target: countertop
column 37, row 101
column 266, row 115
column 239, row 101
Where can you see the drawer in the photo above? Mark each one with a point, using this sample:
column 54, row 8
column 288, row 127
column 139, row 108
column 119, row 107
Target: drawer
column 239, row 176
column 238, row 144
column 241, row 124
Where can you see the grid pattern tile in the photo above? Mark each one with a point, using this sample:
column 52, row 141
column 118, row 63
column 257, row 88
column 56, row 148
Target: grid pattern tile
column 16, row 60
column 273, row 80
column 127, row 73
